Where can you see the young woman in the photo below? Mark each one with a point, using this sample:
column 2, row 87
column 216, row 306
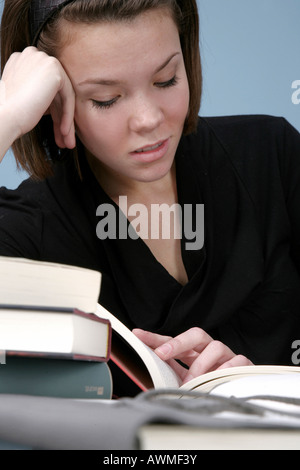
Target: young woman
column 99, row 100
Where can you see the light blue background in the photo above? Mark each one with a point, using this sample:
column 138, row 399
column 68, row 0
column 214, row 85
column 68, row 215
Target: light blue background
column 251, row 56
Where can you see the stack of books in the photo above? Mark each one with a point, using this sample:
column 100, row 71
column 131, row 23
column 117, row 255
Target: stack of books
column 51, row 341
column 57, row 340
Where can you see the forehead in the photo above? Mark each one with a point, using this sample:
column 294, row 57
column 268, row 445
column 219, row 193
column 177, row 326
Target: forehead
column 120, row 46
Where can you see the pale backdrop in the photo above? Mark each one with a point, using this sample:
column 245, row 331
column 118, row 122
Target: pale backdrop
column 251, row 60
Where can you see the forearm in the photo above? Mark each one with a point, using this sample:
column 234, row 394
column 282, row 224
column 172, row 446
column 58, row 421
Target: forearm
column 8, row 131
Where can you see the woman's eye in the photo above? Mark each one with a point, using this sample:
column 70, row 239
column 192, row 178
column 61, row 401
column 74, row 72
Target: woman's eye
column 167, row 84
column 104, row 104
column 108, row 104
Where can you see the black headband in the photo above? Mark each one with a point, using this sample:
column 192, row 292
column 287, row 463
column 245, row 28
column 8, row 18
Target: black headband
column 40, row 12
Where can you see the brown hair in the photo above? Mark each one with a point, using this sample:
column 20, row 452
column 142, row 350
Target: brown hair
column 36, row 150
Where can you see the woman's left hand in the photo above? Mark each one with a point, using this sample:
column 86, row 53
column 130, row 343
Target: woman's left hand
column 195, row 348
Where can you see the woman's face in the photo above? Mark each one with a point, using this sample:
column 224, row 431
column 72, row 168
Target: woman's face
column 132, row 94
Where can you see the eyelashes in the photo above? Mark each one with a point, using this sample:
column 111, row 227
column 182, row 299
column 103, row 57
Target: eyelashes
column 104, row 104
column 168, row 84
column 108, row 104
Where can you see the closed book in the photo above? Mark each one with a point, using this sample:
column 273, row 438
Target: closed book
column 59, row 332
column 55, row 378
column 52, row 285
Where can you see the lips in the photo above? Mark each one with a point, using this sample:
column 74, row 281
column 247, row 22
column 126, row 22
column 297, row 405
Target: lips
column 150, row 148
column 151, row 153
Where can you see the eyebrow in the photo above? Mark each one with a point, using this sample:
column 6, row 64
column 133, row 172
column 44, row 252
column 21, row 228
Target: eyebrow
column 108, row 82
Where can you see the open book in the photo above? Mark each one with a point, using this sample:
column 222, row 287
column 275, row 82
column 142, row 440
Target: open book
column 148, row 371
column 136, row 359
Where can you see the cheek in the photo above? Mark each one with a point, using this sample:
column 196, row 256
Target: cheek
column 178, row 104
column 185, row 100
column 97, row 128
column 88, row 120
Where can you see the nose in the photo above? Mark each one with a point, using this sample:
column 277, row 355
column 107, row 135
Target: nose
column 146, row 114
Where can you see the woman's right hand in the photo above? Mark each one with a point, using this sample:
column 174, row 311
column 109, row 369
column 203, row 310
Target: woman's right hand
column 34, row 84
column 194, row 347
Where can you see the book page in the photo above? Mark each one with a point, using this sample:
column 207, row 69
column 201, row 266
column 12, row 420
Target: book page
column 208, row 381
column 162, row 375
column 253, row 388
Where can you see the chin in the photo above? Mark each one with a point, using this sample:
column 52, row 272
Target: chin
column 151, row 175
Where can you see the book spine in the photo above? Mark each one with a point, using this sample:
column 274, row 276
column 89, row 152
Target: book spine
column 55, row 378
column 62, row 356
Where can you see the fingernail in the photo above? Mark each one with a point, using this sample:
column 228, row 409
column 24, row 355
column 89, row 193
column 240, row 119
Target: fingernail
column 164, row 349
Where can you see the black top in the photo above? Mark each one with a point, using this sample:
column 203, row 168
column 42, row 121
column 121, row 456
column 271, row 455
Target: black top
column 244, row 285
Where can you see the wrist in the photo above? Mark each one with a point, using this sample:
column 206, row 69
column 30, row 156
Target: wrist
column 9, row 131
column 9, row 122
